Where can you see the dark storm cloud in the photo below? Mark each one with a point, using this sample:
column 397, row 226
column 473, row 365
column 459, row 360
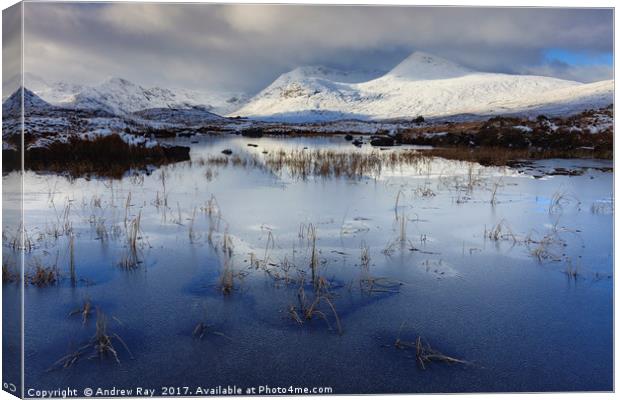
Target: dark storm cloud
column 244, row 47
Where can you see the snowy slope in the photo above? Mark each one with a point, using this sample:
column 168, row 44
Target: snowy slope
column 420, row 85
column 568, row 99
column 422, row 66
column 186, row 116
column 217, row 102
column 120, row 96
column 303, row 95
column 335, row 75
column 33, row 105
column 56, row 93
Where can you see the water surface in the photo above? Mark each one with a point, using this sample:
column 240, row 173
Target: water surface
column 529, row 306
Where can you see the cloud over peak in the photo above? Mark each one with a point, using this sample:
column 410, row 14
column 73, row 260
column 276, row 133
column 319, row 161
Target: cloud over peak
column 244, row 47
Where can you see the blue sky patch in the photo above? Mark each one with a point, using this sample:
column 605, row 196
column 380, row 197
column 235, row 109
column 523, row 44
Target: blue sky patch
column 579, row 58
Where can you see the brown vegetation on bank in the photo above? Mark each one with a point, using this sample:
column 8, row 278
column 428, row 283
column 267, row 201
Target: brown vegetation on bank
column 108, row 156
column 502, row 156
column 502, row 139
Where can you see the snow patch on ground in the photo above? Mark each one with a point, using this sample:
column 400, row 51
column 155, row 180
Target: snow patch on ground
column 523, row 128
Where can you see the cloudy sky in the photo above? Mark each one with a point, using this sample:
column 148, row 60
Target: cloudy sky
column 245, row 47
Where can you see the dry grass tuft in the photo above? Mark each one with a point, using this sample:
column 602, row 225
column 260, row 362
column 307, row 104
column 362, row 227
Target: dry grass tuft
column 133, row 232
column 496, row 185
column 543, row 250
column 228, row 276
column 130, row 259
column 204, row 329
column 571, row 271
column 365, row 256
column 85, row 311
column 500, row 232
column 424, row 353
column 370, row 285
column 101, row 346
column 559, row 200
column 309, row 307
column 72, row 272
column 400, row 193
column 43, row 276
column 302, row 164
column 9, row 273
column 227, row 282
column 193, row 236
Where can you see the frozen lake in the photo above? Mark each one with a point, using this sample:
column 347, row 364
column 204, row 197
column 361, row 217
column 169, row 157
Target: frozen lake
column 301, row 261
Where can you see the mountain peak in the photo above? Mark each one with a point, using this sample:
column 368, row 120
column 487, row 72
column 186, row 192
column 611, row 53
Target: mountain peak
column 117, row 81
column 33, row 104
column 30, row 98
column 424, row 66
column 329, row 73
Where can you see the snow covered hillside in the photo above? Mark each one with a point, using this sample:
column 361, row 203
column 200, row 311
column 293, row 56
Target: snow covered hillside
column 45, row 123
column 422, row 84
column 12, row 106
column 120, row 96
column 56, row 93
column 194, row 116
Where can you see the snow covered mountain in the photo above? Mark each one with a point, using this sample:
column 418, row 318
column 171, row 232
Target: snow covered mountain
column 120, row 96
column 33, row 104
column 57, row 93
column 217, row 102
column 422, row 84
column 421, row 66
column 332, row 74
